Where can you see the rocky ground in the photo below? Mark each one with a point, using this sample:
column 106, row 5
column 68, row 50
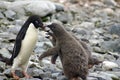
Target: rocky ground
column 97, row 21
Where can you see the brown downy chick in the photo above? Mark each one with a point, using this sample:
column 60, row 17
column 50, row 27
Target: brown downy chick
column 92, row 60
column 71, row 52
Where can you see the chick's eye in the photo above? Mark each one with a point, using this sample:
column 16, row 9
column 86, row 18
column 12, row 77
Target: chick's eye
column 53, row 27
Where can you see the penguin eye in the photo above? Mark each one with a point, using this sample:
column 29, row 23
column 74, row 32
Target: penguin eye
column 37, row 22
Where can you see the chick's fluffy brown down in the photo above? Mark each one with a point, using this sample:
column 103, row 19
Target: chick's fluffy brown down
column 71, row 52
column 91, row 60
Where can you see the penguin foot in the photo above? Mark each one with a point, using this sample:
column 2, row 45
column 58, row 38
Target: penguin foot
column 26, row 75
column 14, row 76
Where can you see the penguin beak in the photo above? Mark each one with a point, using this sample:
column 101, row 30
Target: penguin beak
column 49, row 35
column 42, row 28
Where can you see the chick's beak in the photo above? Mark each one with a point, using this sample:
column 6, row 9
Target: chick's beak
column 46, row 29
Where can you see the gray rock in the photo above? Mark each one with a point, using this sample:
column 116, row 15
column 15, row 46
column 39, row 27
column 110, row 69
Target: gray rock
column 64, row 17
column 82, row 32
column 4, row 23
column 101, row 76
column 112, row 45
column 115, row 73
column 7, row 36
column 110, row 2
column 3, row 78
column 91, row 78
column 109, row 57
column 117, row 69
column 47, row 74
column 118, row 61
column 10, row 47
column 96, row 3
column 109, row 75
column 19, row 22
column 45, row 7
column 35, row 72
column 73, row 1
column 30, row 79
column 1, row 16
column 104, row 15
column 99, row 56
column 106, row 12
column 39, row 7
column 79, row 31
column 59, row 7
column 99, row 30
column 54, row 75
column 74, row 10
column 59, row 65
column 2, row 67
column 41, row 36
column 99, row 50
column 88, row 25
column 108, row 37
column 46, row 78
column 107, row 65
column 5, row 53
column 95, row 42
column 42, row 46
column 18, row 7
column 61, row 78
column 47, row 45
column 115, row 29
column 3, row 5
column 34, row 60
column 14, row 29
column 10, row 14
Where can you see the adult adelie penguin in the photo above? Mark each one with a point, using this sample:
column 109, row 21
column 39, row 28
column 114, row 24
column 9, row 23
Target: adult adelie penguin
column 24, row 44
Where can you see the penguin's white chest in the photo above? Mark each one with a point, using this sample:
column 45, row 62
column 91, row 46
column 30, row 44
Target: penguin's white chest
column 28, row 43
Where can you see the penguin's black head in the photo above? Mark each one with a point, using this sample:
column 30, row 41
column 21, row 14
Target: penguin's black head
column 36, row 20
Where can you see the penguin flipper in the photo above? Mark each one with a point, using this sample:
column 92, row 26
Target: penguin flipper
column 18, row 41
column 16, row 50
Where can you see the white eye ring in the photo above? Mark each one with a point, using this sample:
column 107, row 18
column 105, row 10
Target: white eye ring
column 36, row 22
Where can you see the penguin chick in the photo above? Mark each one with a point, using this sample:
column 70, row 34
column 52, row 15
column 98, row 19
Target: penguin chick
column 24, row 45
column 71, row 52
column 91, row 61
